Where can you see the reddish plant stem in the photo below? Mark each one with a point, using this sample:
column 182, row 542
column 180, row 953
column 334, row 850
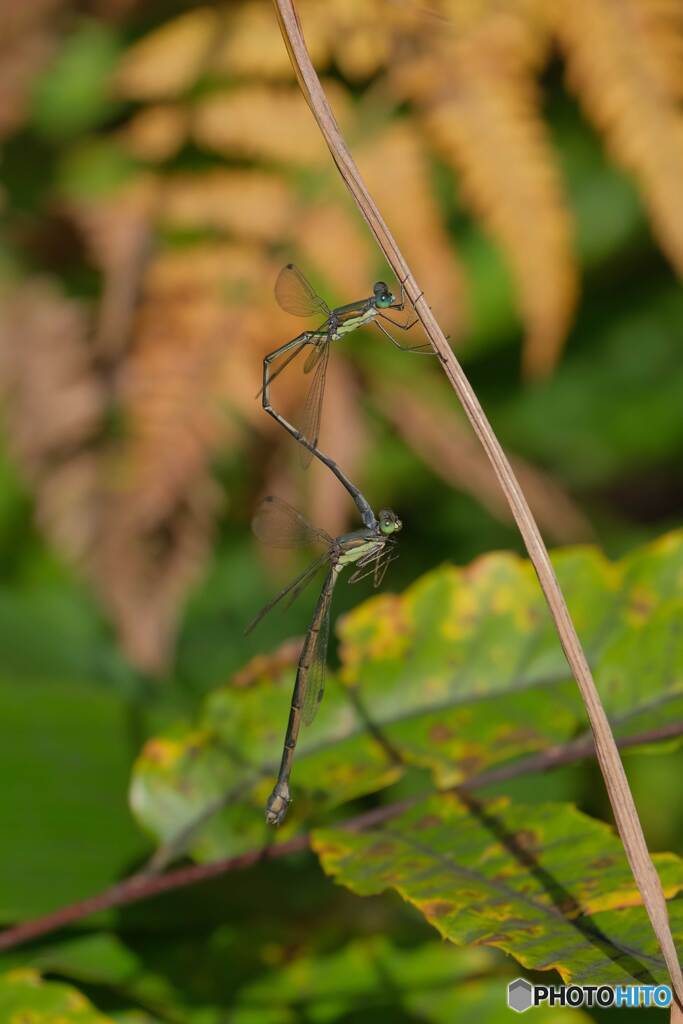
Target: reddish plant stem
column 144, row 885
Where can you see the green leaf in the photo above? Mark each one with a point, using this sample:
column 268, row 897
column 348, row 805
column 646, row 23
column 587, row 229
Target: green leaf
column 64, row 763
column 460, row 673
column 94, row 168
column 160, row 974
column 74, row 93
column 432, row 982
column 157, row 968
column 544, row 883
column 587, row 420
column 135, row 1017
column 73, row 644
column 26, row 998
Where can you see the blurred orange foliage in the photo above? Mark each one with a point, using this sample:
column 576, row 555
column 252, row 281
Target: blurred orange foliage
column 188, row 252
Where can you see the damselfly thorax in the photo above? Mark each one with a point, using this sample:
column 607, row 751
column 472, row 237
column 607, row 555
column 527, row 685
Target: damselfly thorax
column 349, row 318
column 341, row 322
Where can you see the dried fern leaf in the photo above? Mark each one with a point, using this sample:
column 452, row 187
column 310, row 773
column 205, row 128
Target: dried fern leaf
column 118, row 233
column 629, row 80
column 250, row 204
column 333, row 241
column 262, row 122
column 156, row 133
column 252, row 45
column 27, row 41
column 135, row 510
column 367, row 35
column 54, row 407
column 481, row 108
column 168, row 60
column 161, row 500
column 409, row 207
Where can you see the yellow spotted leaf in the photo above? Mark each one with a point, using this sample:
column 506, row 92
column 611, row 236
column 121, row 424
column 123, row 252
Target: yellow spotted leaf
column 542, row 882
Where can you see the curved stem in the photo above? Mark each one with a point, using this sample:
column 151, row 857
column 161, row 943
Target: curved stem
column 619, row 792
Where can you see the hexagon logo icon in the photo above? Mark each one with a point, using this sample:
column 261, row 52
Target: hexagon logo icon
column 519, row 995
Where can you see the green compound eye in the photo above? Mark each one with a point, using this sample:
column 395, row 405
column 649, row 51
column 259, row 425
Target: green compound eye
column 389, row 522
column 383, row 297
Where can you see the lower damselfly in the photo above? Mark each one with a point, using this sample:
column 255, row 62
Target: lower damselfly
column 296, row 295
column 369, row 550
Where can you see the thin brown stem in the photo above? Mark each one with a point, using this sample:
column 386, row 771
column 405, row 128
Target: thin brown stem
column 620, row 796
column 140, row 887
column 145, row 885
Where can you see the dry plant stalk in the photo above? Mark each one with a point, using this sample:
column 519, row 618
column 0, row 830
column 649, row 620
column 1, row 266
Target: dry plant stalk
column 620, row 796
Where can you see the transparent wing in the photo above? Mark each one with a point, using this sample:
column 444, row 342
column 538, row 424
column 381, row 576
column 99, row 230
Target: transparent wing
column 291, row 591
column 310, row 422
column 313, row 357
column 276, row 523
column 315, row 684
column 297, row 296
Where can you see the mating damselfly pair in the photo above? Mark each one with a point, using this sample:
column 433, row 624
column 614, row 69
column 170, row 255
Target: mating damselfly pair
column 370, row 549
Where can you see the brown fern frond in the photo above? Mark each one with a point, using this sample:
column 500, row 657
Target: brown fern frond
column 252, row 46
column 54, row 407
column 134, row 513
column 118, row 234
column 249, row 204
column 134, row 508
column 167, row 61
column 110, row 224
column 156, row 133
column 333, row 240
column 263, row 122
column 629, row 80
column 161, row 500
column 145, row 565
column 412, row 212
column 360, row 46
column 358, row 36
column 157, row 532
column 477, row 90
column 366, row 34
column 27, row 41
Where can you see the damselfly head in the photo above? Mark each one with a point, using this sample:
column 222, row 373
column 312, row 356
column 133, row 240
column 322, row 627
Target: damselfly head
column 389, row 522
column 383, row 297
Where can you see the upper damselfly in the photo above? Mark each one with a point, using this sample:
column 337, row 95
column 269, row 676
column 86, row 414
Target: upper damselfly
column 370, row 550
column 296, row 295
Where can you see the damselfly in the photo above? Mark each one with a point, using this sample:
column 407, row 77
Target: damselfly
column 297, row 296
column 370, row 550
